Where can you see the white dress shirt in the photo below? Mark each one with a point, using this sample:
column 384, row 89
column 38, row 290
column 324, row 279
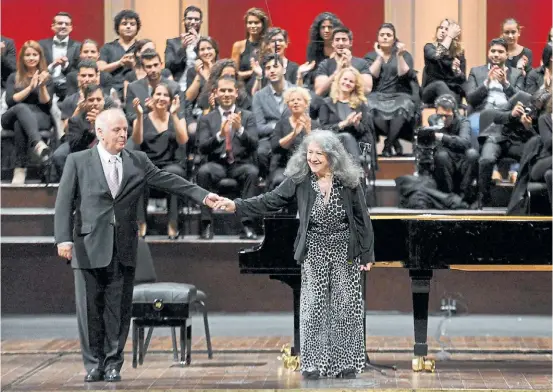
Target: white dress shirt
column 105, row 157
column 57, row 52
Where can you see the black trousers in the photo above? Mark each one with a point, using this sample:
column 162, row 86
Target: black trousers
column 491, row 153
column 351, row 145
column 542, row 172
column 58, row 160
column 104, row 309
column 172, row 200
column 211, row 173
column 264, row 153
column 26, row 123
column 436, row 88
column 454, row 172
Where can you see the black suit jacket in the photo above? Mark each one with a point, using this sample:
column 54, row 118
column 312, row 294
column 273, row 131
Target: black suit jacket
column 8, row 60
column 329, row 119
column 243, row 146
column 175, row 57
column 73, row 49
column 139, row 89
column 102, row 222
column 476, row 92
column 80, row 133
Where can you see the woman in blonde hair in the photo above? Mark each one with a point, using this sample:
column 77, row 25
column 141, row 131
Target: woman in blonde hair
column 243, row 51
column 29, row 93
column 444, row 64
column 345, row 111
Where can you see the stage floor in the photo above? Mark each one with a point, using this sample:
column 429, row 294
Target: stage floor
column 508, row 363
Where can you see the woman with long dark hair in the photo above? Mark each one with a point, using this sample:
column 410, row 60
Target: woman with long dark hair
column 444, row 64
column 390, row 101
column 29, row 93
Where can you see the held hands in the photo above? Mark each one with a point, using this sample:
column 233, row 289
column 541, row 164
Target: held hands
column 225, row 204
column 138, row 107
column 365, row 267
column 65, row 251
column 212, row 199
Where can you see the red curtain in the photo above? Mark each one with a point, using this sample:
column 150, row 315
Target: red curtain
column 23, row 20
column 534, row 16
column 226, row 21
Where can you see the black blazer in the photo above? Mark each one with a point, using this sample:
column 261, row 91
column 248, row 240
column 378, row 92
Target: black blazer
column 243, row 147
column 8, row 60
column 476, row 92
column 175, row 57
column 100, row 221
column 329, row 119
column 361, row 240
column 73, row 55
column 80, row 133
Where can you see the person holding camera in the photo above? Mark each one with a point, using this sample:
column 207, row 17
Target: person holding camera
column 455, row 162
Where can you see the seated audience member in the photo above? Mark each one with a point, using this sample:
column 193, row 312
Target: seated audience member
column 276, row 41
column 269, row 107
column 455, row 162
column 89, row 51
column 506, row 137
column 61, row 52
column 117, row 57
column 345, row 112
column 535, row 164
column 7, row 59
column 180, row 53
column 342, row 40
column 490, row 86
column 444, row 64
column 80, row 133
column 138, row 72
column 87, row 73
column 29, row 93
column 159, row 134
column 151, row 62
column 207, row 53
column 319, row 47
column 206, row 99
column 540, row 78
column 243, row 51
column 289, row 132
column 518, row 56
column 228, row 142
column 391, row 100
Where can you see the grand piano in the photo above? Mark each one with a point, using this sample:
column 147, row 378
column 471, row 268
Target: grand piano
column 422, row 244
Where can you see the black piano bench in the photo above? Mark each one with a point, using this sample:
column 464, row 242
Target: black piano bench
column 162, row 305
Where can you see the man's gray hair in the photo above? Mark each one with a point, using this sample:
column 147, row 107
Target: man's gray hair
column 340, row 161
column 105, row 118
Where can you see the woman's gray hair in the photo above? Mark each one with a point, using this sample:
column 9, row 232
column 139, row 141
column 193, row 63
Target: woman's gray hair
column 340, row 161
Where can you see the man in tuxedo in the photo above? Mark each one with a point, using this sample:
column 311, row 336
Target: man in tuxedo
column 268, row 107
column 142, row 88
column 7, row 59
column 491, row 85
column 228, row 142
column 95, row 227
column 61, row 52
column 180, row 51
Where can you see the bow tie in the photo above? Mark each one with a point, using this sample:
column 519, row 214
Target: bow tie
column 57, row 42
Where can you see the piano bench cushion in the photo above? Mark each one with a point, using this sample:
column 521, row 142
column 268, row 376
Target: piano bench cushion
column 169, row 293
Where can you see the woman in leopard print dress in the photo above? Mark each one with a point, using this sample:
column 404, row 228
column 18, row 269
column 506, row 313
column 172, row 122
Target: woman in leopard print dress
column 334, row 244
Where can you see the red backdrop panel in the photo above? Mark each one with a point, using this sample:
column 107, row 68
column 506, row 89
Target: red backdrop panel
column 23, row 20
column 534, row 16
column 226, row 23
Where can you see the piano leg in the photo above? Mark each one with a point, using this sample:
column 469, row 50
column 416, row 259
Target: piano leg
column 420, row 287
column 294, row 281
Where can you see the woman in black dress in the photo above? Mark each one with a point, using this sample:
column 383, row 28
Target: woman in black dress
column 159, row 134
column 519, row 56
column 345, row 112
column 390, row 102
column 289, row 132
column 257, row 23
column 29, row 93
column 444, row 64
column 540, row 78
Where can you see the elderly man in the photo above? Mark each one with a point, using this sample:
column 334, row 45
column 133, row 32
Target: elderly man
column 102, row 186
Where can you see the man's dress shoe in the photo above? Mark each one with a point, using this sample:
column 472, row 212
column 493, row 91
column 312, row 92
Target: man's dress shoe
column 112, row 375
column 248, row 234
column 94, row 375
column 207, row 232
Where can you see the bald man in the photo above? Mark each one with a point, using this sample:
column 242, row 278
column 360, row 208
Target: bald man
column 96, row 228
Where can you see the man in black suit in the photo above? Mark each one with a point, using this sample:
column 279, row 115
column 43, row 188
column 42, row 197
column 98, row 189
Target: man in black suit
column 96, row 228
column 228, row 142
column 142, row 88
column 61, row 52
column 179, row 51
column 490, row 86
column 7, row 58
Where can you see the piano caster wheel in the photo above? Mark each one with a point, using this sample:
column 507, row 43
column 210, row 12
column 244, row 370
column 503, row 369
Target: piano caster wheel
column 420, row 364
column 291, row 362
